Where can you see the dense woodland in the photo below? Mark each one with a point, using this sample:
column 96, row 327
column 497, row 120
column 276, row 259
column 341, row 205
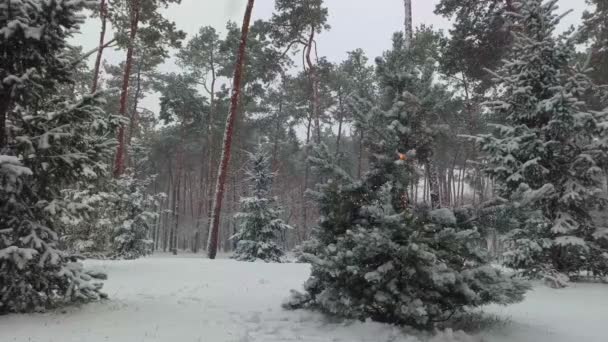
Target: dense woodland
column 489, row 137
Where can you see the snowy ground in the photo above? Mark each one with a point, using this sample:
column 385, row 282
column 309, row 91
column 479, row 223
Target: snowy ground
column 186, row 299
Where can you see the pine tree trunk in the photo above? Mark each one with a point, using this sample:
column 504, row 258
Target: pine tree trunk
column 416, row 190
column 227, row 146
column 103, row 17
column 180, row 201
column 306, row 176
column 461, row 184
column 235, row 202
column 190, row 191
column 134, row 114
column 443, row 188
column 314, row 83
column 340, row 122
column 176, row 209
column 119, row 162
column 157, row 209
column 409, row 31
column 4, row 106
column 202, row 199
column 433, row 184
column 171, row 218
column 277, row 129
column 166, row 216
column 159, row 225
column 210, row 142
column 454, row 194
column 360, row 160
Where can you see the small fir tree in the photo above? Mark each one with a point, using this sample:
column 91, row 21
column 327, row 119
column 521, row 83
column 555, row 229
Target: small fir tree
column 259, row 222
column 116, row 218
column 136, row 214
column 88, row 231
column 549, row 152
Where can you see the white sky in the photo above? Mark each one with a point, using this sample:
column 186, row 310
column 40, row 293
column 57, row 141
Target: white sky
column 366, row 24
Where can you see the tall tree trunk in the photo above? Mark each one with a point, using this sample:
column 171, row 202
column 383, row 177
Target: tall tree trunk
column 174, row 205
column 416, row 186
column 235, row 200
column 314, row 83
column 176, row 208
column 433, row 175
column 119, row 162
column 277, row 129
column 5, row 102
column 210, row 142
column 461, row 183
column 360, row 161
column 227, row 145
column 409, row 31
column 425, row 188
column 306, row 176
column 202, row 195
column 134, row 114
column 340, row 122
column 103, row 17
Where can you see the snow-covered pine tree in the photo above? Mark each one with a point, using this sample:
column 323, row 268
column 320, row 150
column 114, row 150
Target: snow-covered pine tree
column 373, row 255
column 115, row 218
column 259, row 221
column 136, row 214
column 549, row 151
column 48, row 143
column 88, row 232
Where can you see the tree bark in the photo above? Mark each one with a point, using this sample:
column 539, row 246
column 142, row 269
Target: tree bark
column 416, row 190
column 433, row 184
column 210, row 141
column 340, row 122
column 103, row 17
column 119, row 162
column 134, row 115
column 227, row 145
column 277, row 129
column 360, row 161
column 176, row 208
column 306, row 176
column 314, row 83
column 409, row 32
column 5, row 102
column 461, row 183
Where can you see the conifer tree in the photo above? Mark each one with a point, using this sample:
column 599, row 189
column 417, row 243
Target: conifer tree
column 374, row 255
column 49, row 142
column 549, row 153
column 259, row 222
column 134, row 216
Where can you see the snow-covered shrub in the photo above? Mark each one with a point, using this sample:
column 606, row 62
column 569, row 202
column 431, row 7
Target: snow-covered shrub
column 259, row 223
